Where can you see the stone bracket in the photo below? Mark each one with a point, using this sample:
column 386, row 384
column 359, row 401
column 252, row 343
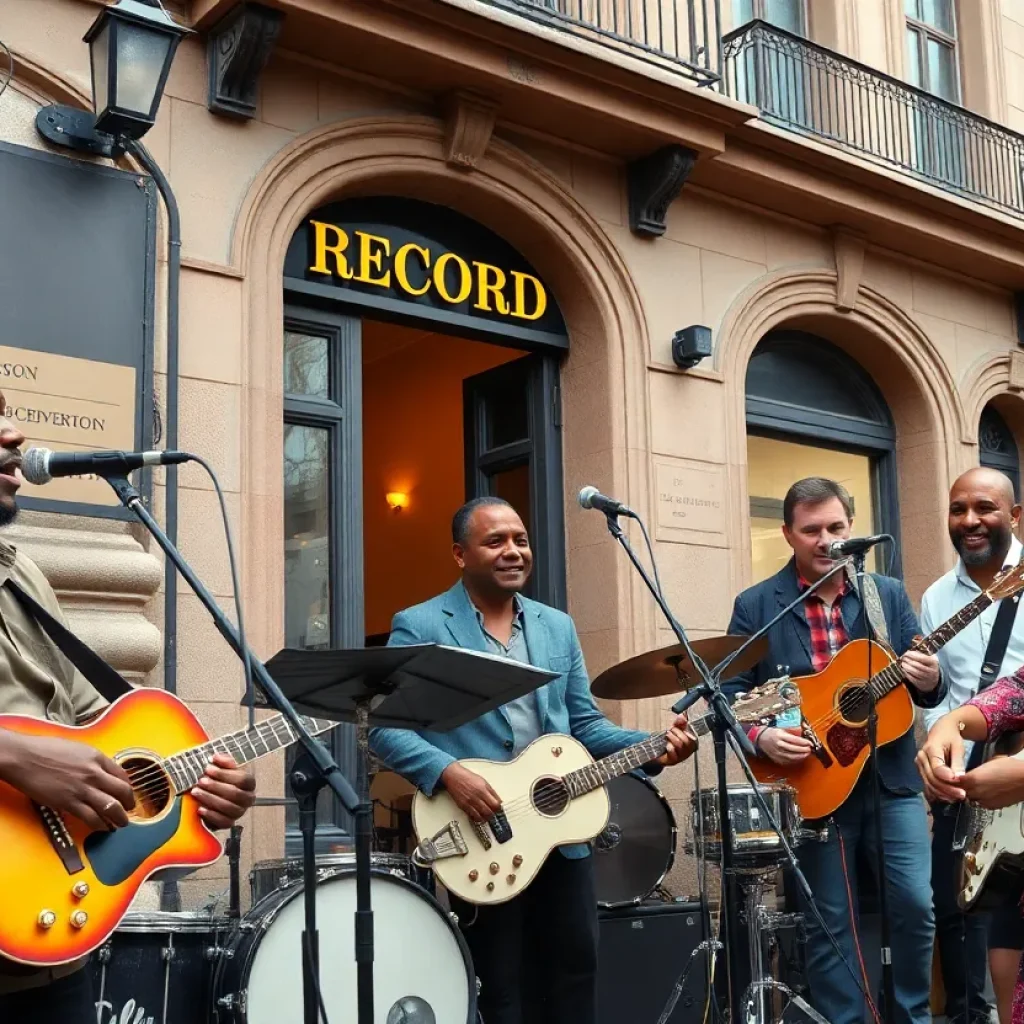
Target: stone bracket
column 237, row 51
column 469, row 124
column 849, row 255
column 654, row 182
column 1016, row 375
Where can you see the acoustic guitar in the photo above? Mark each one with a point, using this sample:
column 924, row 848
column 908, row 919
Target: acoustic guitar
column 835, row 703
column 66, row 887
column 552, row 794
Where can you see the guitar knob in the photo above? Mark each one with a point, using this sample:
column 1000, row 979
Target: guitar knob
column 494, row 868
column 511, row 879
column 46, row 919
column 490, row 887
column 80, row 890
column 474, row 875
column 78, row 918
column 517, row 860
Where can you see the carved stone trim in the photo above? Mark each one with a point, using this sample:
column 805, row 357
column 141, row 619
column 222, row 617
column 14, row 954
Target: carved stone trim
column 849, row 254
column 469, row 124
column 1016, row 378
column 237, row 52
column 654, row 182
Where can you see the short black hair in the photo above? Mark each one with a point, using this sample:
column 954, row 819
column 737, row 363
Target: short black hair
column 460, row 521
column 813, row 490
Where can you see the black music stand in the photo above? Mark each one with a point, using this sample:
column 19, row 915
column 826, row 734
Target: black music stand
column 428, row 686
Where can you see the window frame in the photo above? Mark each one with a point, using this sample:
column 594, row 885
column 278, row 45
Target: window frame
column 925, row 31
column 760, row 13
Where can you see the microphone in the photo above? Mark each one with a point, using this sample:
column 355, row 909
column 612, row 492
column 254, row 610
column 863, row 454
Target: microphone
column 854, row 545
column 40, row 465
column 591, row 497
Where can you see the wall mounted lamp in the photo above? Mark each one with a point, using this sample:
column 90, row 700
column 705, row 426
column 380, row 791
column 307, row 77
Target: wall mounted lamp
column 397, row 500
column 690, row 345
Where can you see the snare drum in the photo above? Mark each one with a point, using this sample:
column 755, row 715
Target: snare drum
column 156, row 968
column 755, row 843
column 267, row 876
column 634, row 853
column 419, row 956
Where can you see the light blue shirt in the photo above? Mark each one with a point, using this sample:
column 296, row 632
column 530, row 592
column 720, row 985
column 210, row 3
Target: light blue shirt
column 961, row 658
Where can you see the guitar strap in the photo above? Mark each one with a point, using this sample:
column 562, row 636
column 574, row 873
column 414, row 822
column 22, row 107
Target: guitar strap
column 106, row 680
column 872, row 606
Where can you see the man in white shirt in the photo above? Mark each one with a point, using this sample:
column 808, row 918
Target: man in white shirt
column 983, row 518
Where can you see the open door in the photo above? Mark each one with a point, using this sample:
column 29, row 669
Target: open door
column 513, row 442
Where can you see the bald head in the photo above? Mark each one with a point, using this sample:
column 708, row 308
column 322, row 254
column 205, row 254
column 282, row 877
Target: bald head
column 982, row 518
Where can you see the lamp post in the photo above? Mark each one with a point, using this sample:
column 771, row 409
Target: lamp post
column 131, row 46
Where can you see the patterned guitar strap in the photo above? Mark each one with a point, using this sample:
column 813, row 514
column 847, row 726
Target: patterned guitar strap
column 872, row 605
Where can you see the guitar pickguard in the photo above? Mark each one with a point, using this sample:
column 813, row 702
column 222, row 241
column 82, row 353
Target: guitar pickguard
column 846, row 742
column 116, row 856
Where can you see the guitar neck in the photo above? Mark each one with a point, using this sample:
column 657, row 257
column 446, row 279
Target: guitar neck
column 892, row 675
column 188, row 767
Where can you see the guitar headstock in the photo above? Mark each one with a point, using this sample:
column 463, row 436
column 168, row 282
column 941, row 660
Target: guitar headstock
column 1007, row 583
column 766, row 701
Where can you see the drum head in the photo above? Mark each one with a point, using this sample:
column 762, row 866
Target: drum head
column 418, row 955
column 635, row 851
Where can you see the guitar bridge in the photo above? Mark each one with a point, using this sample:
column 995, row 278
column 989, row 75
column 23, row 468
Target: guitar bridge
column 60, row 839
column 446, row 843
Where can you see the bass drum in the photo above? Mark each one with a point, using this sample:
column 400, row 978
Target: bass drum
column 420, row 957
column 634, row 853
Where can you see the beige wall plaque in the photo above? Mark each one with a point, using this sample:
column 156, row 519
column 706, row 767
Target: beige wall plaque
column 689, row 499
column 69, row 404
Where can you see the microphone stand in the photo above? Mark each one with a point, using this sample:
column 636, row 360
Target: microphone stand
column 318, row 768
column 888, row 981
column 725, row 726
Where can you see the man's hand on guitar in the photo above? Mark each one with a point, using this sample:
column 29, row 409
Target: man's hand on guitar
column 681, row 742
column 995, row 784
column 225, row 792
column 471, row 792
column 67, row 776
column 941, row 762
column 921, row 670
column 783, row 746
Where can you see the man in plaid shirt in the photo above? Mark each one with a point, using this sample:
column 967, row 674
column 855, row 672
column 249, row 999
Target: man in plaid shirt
column 817, row 511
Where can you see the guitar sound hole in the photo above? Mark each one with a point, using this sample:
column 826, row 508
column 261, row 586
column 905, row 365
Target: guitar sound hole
column 550, row 797
column 854, row 704
column 151, row 786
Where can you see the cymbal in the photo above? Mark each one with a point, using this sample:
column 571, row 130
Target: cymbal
column 668, row 671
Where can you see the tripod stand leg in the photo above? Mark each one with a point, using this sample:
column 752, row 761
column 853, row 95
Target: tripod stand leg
column 364, row 911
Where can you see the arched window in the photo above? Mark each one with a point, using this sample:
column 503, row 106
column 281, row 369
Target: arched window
column 813, row 411
column 997, row 447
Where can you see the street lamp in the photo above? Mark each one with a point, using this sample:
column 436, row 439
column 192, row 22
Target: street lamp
column 131, row 46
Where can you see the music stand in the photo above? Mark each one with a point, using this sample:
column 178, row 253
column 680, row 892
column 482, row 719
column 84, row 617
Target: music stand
column 427, row 686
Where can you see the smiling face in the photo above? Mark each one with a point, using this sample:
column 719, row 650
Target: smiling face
column 11, row 440
column 814, row 527
column 982, row 517
column 494, row 556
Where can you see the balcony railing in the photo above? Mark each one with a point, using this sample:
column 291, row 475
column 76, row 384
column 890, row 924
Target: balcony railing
column 683, row 36
column 806, row 88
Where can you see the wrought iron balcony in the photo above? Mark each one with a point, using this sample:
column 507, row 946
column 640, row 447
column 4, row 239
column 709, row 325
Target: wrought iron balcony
column 808, row 89
column 683, row 36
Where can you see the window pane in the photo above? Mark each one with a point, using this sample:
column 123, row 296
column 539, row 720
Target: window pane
column 914, row 59
column 912, row 8
column 514, row 486
column 307, row 554
column 941, row 70
column 786, row 14
column 507, row 417
column 306, row 365
column 742, row 11
column 773, row 466
column 939, row 14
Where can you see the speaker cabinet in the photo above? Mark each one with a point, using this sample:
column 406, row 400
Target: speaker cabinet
column 642, row 952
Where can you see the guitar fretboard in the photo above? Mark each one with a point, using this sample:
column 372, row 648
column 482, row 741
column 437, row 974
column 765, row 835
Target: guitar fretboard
column 892, row 675
column 188, row 767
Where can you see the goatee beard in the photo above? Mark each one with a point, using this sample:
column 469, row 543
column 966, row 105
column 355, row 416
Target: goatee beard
column 8, row 513
column 998, row 543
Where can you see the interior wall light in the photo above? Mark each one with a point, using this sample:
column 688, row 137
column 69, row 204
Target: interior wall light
column 397, row 500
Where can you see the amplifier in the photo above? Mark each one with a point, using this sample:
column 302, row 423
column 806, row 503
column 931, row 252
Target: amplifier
column 642, row 952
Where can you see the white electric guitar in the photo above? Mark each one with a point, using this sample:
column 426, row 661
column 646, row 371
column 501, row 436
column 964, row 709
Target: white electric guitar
column 552, row 794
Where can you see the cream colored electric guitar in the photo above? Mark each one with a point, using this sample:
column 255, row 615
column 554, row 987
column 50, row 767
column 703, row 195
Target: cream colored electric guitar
column 552, row 794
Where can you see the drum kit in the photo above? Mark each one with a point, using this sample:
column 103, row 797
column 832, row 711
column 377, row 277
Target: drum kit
column 245, row 968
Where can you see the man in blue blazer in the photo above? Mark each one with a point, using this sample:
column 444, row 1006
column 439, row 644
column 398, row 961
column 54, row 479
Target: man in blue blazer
column 536, row 955
column 817, row 511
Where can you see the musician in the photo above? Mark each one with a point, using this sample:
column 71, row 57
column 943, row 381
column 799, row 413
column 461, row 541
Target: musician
column 536, row 955
column 36, row 679
column 817, row 511
column 983, row 517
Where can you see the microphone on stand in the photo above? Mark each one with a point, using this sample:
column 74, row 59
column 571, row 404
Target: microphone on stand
column 591, row 497
column 855, row 545
column 40, row 465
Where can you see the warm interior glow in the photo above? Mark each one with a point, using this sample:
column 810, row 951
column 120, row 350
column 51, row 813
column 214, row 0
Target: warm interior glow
column 397, row 500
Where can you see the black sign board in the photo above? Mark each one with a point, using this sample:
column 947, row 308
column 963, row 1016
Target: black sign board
column 399, row 255
column 76, row 313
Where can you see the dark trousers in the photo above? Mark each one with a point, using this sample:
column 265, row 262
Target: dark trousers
column 536, row 956
column 68, row 1000
column 962, row 938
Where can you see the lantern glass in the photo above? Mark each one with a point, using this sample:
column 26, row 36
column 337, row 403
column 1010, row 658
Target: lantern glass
column 99, row 52
column 141, row 55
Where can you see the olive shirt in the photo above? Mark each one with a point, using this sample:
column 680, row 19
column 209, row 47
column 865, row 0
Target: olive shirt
column 35, row 680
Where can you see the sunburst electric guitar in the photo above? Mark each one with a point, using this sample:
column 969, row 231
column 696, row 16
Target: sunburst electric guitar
column 835, row 702
column 552, row 794
column 65, row 887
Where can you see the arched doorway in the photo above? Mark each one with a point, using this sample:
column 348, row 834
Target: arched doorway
column 811, row 410
column 997, row 447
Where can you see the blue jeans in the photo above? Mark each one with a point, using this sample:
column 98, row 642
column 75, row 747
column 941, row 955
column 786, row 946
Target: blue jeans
column 834, row 992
